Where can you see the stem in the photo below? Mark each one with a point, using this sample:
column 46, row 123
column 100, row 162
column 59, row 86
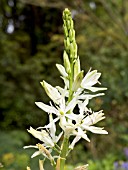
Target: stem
column 63, row 153
column 71, row 82
column 66, row 139
column 71, row 51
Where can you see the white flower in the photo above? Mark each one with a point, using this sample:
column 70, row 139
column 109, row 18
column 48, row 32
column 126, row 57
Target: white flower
column 42, row 136
column 90, row 79
column 92, row 119
column 61, row 110
column 47, row 137
column 41, row 151
column 83, row 122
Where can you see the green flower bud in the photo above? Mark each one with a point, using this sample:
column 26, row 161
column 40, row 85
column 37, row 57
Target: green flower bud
column 65, row 30
column 71, row 23
column 66, row 62
column 67, row 42
column 73, row 34
column 68, row 25
column 70, row 44
column 73, row 52
column 76, row 67
column 77, row 82
column 70, row 35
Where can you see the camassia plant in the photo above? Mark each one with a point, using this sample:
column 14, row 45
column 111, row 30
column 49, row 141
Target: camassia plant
column 78, row 90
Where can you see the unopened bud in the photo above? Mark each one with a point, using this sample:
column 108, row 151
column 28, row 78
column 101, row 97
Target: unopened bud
column 77, row 81
column 70, row 35
column 76, row 67
column 68, row 24
column 67, row 42
column 65, row 30
column 71, row 23
column 44, row 151
column 66, row 62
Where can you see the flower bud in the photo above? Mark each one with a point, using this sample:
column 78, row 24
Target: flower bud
column 77, row 82
column 71, row 23
column 67, row 42
column 66, row 62
column 51, row 91
column 70, row 35
column 76, row 67
column 44, row 151
column 68, row 24
column 65, row 30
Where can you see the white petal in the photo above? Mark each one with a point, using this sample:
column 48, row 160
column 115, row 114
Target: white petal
column 66, row 81
column 95, row 89
column 30, row 146
column 82, row 105
column 75, row 140
column 35, row 154
column 89, row 96
column 72, row 116
column 58, row 137
column 71, row 105
column 53, row 127
column 36, row 134
column 51, row 91
column 90, row 78
column 93, row 118
column 64, row 92
column 96, row 130
column 46, row 108
column 83, row 134
column 50, row 124
column 62, row 70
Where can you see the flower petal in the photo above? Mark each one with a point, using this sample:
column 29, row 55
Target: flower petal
column 97, row 130
column 51, row 91
column 71, row 105
column 95, row 89
column 36, row 154
column 30, row 146
column 90, row 79
column 62, row 70
column 75, row 140
column 46, row 108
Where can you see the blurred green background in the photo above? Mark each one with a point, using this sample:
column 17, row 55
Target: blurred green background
column 31, row 43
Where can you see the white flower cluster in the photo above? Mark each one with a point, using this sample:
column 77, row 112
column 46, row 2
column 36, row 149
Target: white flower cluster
column 71, row 124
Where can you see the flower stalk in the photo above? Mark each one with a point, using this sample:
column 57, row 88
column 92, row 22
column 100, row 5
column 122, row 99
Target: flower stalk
column 70, row 48
column 69, row 60
column 64, row 151
column 78, row 91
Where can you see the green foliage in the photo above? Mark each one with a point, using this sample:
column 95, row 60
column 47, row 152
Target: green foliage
column 11, row 152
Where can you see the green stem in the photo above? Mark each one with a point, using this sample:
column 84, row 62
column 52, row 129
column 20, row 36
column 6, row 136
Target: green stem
column 65, row 143
column 71, row 82
column 63, row 153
